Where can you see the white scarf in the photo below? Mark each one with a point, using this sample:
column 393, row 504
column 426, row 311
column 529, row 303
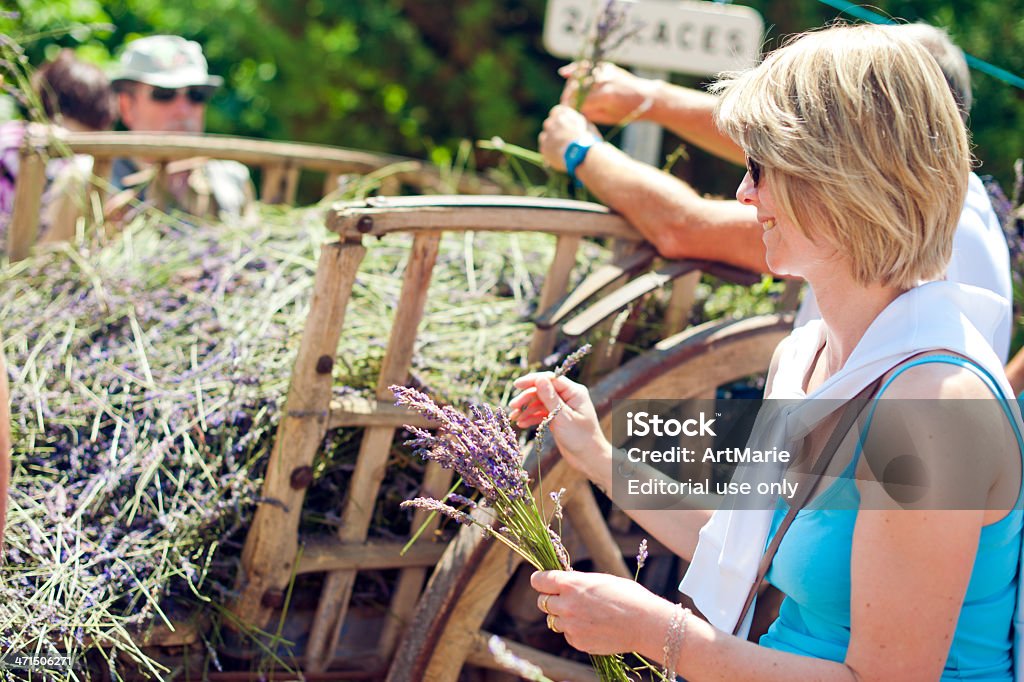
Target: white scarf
column 933, row 316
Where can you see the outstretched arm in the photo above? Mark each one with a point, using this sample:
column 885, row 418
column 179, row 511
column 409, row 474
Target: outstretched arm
column 669, row 213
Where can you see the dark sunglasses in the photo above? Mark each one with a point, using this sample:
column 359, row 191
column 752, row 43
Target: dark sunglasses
column 195, row 95
column 754, row 168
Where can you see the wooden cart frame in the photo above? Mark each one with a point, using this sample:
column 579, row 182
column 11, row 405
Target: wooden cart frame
column 280, row 163
column 446, row 626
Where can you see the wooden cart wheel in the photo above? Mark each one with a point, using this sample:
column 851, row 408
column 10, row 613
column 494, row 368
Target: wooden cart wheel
column 446, row 629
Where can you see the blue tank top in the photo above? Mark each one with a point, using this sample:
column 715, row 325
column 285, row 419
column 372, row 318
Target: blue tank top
column 812, row 568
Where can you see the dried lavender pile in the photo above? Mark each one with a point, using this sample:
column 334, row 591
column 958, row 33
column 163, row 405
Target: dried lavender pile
column 146, row 380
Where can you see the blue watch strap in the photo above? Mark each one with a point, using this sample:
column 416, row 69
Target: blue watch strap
column 575, row 153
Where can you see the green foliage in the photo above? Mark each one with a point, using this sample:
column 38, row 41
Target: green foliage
column 414, row 77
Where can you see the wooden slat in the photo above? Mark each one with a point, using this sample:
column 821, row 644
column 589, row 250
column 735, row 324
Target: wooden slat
column 680, row 304
column 635, row 289
column 170, row 146
column 482, row 213
column 626, row 294
column 291, row 185
column 553, row 666
column 594, row 282
column 159, row 192
column 272, row 542
column 714, row 353
column 330, row 183
column 252, row 152
column 356, row 411
column 730, row 273
column 555, row 284
column 273, row 179
column 606, row 352
column 588, row 522
column 374, row 449
column 482, row 201
column 330, row 554
column 436, row 482
column 391, row 185
column 24, row 227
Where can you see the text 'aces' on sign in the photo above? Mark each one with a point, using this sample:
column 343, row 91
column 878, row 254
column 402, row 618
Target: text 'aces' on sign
column 680, row 36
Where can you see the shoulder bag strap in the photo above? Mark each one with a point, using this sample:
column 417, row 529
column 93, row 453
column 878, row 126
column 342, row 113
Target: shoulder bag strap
column 851, row 412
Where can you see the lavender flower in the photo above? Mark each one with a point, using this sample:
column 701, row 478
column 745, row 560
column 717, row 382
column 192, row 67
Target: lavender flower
column 513, row 663
column 461, row 500
column 572, row 360
column 542, row 428
column 481, row 447
column 564, row 562
column 610, row 22
column 432, row 505
column 557, row 499
column 641, row 556
column 609, row 32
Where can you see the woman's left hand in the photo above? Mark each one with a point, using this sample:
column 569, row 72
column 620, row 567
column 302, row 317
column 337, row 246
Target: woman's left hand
column 600, row 613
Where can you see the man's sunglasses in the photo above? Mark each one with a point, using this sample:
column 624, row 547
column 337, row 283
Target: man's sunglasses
column 195, row 95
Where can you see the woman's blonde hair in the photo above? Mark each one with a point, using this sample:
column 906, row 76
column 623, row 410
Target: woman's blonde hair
column 862, row 143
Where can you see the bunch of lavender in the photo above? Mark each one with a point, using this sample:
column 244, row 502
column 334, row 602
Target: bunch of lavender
column 607, row 32
column 482, row 448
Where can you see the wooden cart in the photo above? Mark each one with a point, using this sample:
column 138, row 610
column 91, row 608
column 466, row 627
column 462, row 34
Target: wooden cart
column 434, row 628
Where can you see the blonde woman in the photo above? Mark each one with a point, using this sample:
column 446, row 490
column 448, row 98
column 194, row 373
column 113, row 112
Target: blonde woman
column 858, row 163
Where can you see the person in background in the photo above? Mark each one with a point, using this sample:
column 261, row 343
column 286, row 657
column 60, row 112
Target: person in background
column 162, row 85
column 75, row 96
column 681, row 223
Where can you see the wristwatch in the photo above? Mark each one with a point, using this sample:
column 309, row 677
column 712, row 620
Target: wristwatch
column 575, row 154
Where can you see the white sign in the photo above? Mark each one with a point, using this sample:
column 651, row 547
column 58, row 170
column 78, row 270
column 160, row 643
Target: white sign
column 681, row 36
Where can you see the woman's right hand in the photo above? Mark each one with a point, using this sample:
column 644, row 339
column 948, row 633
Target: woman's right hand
column 576, row 428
